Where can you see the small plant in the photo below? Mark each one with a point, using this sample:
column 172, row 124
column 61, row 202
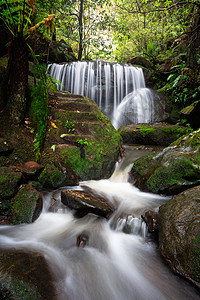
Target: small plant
column 70, row 126
column 101, row 117
column 83, row 142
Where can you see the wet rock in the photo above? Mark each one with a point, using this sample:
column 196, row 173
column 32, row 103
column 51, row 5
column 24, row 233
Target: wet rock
column 25, row 276
column 82, row 240
column 171, row 171
column 27, row 205
column 84, row 203
column 151, row 219
column 179, row 233
column 9, row 181
column 162, row 134
column 31, row 170
column 6, row 147
column 52, row 178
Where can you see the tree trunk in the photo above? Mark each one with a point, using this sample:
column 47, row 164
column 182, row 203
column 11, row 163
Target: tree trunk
column 17, row 80
column 193, row 43
column 80, row 20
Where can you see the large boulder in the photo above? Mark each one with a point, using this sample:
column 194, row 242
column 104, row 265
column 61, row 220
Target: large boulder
column 84, row 203
column 179, row 233
column 174, row 169
column 81, row 137
column 162, row 134
column 25, row 276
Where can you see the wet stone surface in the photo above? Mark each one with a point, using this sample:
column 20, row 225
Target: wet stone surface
column 84, row 203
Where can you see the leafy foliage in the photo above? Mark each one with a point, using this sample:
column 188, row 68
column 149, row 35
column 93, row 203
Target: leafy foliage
column 40, row 108
column 184, row 84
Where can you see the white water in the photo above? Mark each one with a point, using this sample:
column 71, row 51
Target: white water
column 113, row 265
column 136, row 107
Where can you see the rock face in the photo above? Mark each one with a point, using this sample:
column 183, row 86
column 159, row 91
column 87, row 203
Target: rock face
column 161, row 134
column 191, row 114
column 179, row 233
column 84, row 203
column 81, row 137
column 25, row 276
column 172, row 170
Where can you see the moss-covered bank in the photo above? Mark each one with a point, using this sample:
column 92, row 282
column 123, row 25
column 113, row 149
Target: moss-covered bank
column 162, row 134
column 171, row 171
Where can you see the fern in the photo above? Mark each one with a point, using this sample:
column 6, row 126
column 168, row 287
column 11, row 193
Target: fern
column 40, row 106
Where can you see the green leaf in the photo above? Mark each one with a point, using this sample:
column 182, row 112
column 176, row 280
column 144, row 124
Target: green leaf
column 63, row 135
column 53, row 147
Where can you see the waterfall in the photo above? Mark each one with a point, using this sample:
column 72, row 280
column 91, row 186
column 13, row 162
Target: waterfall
column 105, row 83
column 136, row 107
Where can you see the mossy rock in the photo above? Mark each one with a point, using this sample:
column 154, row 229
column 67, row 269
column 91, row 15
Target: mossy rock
column 25, row 204
column 53, row 178
column 172, row 170
column 11, row 288
column 25, row 276
column 9, row 181
column 179, row 234
column 162, row 134
column 22, row 141
column 82, row 137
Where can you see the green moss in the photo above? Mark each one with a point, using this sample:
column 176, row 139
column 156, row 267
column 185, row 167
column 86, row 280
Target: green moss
column 145, row 130
column 178, row 172
column 51, row 177
column 191, row 140
column 17, row 289
column 98, row 152
column 24, row 205
column 142, row 164
column 8, row 182
column 5, row 207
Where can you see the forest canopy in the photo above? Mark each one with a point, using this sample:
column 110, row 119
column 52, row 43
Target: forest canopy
column 118, row 30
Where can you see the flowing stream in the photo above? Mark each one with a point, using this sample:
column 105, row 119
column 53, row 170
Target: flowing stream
column 113, row 265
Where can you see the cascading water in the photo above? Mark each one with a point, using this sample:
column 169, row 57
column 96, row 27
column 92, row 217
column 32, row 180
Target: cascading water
column 136, row 107
column 107, row 84
column 113, row 265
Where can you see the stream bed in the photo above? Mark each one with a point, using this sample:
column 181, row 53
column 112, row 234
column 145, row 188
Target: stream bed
column 113, row 265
